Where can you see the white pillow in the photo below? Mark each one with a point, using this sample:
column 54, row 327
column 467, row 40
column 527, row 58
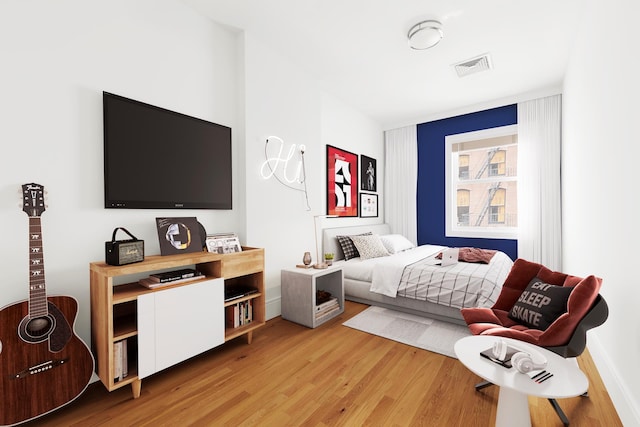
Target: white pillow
column 369, row 246
column 395, row 243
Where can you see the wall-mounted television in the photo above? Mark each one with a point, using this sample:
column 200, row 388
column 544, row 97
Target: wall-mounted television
column 155, row 158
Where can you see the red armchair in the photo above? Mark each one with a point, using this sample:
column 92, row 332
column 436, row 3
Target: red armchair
column 496, row 320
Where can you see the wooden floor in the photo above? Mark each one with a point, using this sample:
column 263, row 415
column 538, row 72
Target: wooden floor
column 329, row 376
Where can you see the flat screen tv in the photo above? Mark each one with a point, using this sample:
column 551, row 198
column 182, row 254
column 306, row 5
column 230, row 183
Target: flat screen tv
column 160, row 159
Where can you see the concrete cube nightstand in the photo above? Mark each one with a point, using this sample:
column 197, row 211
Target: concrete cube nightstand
column 299, row 288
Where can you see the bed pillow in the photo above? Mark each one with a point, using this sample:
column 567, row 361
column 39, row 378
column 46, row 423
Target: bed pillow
column 540, row 304
column 395, row 243
column 348, row 248
column 369, row 246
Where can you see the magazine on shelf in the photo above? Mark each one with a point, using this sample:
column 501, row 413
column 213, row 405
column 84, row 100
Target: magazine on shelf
column 170, row 276
column 223, row 243
column 333, row 301
column 327, row 307
column 148, row 282
column 232, row 292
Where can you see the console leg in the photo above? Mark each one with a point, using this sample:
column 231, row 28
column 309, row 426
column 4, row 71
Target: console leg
column 249, row 337
column 136, row 386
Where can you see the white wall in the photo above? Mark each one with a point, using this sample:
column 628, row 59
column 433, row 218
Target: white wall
column 281, row 100
column 600, row 156
column 57, row 58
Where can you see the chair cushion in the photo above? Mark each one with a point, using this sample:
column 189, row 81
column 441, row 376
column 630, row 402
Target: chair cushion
column 540, row 304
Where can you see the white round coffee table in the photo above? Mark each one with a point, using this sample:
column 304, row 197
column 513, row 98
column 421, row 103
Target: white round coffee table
column 513, row 406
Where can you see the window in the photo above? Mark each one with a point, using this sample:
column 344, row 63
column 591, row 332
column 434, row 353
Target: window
column 463, row 166
column 497, row 162
column 497, row 204
column 481, row 183
column 463, row 207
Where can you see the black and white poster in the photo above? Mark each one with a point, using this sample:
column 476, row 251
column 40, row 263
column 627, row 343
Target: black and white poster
column 368, row 174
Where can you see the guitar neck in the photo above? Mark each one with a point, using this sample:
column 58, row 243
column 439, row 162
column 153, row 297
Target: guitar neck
column 37, row 289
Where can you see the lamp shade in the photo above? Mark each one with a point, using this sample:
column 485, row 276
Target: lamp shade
column 425, row 35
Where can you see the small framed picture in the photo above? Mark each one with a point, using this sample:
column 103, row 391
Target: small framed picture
column 368, row 205
column 223, row 243
column 368, row 181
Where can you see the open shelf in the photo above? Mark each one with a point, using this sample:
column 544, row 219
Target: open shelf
column 115, row 314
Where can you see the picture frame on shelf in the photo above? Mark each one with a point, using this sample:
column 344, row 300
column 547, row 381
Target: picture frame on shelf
column 178, row 235
column 368, row 205
column 223, row 243
column 368, row 174
column 342, row 182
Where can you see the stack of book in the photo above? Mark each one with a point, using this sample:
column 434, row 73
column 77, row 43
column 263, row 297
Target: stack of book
column 170, row 278
column 239, row 314
column 120, row 361
column 327, row 307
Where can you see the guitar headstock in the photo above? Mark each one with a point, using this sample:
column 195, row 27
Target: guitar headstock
column 33, row 199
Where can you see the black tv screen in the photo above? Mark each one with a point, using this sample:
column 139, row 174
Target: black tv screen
column 160, row 159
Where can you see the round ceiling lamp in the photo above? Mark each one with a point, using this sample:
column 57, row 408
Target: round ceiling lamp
column 425, row 35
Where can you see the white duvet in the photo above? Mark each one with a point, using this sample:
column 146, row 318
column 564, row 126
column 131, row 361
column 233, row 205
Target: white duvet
column 415, row 274
column 384, row 273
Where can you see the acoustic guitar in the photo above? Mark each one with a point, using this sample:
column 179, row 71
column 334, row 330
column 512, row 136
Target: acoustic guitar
column 43, row 363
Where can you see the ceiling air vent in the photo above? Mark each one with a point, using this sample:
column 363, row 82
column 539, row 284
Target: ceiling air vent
column 473, row 65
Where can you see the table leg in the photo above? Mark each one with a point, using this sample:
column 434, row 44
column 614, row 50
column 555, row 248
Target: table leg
column 513, row 409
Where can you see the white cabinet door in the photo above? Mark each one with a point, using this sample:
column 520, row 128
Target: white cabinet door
column 179, row 323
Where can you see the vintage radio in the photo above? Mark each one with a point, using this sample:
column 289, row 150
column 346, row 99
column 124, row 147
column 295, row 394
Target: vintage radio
column 121, row 252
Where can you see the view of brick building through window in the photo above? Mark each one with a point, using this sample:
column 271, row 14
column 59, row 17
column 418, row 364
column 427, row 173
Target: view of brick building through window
column 486, row 182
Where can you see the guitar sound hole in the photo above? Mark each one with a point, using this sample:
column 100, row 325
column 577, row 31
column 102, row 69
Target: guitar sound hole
column 39, row 327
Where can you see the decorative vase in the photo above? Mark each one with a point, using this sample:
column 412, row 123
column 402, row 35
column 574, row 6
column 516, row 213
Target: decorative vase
column 306, row 259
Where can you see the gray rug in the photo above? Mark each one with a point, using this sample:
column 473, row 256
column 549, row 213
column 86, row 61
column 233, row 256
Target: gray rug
column 422, row 332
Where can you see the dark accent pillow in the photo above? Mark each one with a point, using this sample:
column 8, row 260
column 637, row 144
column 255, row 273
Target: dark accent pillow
column 540, row 304
column 348, row 248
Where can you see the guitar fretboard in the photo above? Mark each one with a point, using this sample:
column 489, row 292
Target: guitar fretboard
column 37, row 289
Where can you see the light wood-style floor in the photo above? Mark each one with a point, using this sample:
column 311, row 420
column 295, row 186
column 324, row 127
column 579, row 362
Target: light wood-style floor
column 329, row 376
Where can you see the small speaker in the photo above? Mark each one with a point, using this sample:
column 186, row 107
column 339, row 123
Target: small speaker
column 121, row 252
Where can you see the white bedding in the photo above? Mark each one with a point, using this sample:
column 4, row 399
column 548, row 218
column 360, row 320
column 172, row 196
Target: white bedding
column 414, row 274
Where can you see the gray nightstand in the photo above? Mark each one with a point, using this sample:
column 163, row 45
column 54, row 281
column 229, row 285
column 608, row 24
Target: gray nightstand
column 299, row 288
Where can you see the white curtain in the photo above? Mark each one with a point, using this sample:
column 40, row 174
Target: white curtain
column 539, row 196
column 401, row 181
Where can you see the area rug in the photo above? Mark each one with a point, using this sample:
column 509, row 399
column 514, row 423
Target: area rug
column 422, row 332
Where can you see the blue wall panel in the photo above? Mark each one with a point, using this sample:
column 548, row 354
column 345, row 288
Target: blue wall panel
column 431, row 178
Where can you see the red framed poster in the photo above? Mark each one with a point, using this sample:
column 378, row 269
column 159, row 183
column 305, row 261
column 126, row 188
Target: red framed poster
column 342, row 182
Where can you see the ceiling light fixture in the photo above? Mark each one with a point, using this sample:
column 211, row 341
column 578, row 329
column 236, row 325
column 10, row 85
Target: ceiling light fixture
column 425, row 35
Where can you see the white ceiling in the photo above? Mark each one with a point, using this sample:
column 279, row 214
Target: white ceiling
column 357, row 49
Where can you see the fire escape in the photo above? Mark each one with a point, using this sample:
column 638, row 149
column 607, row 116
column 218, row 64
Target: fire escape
column 494, row 187
column 492, row 191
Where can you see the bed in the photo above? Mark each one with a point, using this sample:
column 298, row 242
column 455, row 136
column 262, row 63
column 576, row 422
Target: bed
column 411, row 280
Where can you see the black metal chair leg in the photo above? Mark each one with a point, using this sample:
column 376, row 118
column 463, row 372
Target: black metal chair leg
column 482, row 385
column 559, row 411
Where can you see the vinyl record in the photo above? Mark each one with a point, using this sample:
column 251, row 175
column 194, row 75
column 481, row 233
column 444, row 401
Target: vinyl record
column 203, row 236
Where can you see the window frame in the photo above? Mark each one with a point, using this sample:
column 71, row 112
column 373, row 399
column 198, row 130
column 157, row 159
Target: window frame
column 451, row 177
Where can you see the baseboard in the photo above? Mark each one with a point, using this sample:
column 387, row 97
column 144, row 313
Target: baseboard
column 627, row 409
column 273, row 308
